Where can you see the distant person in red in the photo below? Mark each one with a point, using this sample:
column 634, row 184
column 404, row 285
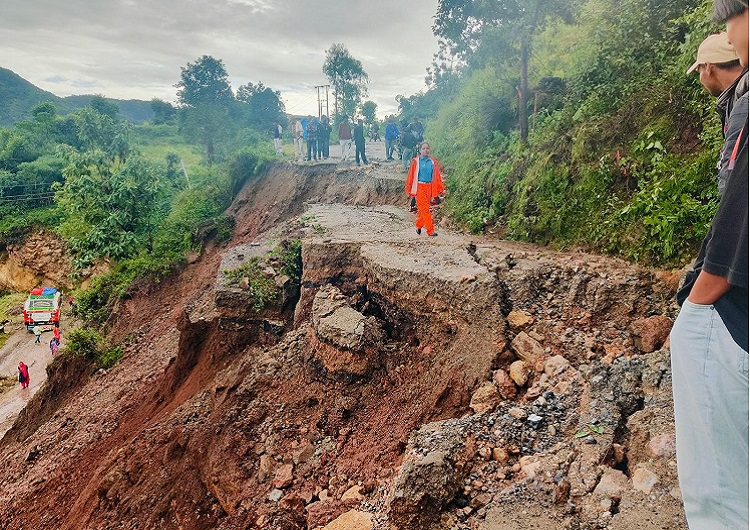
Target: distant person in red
column 23, row 375
column 56, row 333
column 424, row 182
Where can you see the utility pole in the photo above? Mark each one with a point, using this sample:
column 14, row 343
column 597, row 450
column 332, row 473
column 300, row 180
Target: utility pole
column 320, row 101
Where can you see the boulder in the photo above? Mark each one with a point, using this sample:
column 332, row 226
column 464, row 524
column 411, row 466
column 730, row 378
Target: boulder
column 505, row 385
column 649, row 334
column 421, row 489
column 518, row 320
column 351, row 520
column 519, row 373
column 527, row 349
column 485, row 398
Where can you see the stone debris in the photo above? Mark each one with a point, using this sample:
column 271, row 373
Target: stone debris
column 650, row 334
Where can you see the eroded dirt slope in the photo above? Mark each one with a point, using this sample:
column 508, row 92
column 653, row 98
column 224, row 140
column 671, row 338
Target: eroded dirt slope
column 407, row 382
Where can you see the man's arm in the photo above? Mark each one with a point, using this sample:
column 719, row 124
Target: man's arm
column 708, row 288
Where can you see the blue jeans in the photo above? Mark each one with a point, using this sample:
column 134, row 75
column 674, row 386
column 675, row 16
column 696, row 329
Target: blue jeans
column 389, row 148
column 406, row 156
column 710, row 387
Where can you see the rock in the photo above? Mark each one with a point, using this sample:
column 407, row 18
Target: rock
column 320, row 513
column 336, row 323
column 244, row 283
column 485, row 398
column 556, row 365
column 527, row 349
column 505, row 385
column 481, row 500
column 275, row 495
column 612, row 484
column 265, row 468
column 662, row 446
column 535, row 420
column 518, row 320
column 421, row 489
column 303, row 454
column 292, row 502
column 529, row 466
column 519, row 373
column 353, row 493
column 499, row 454
column 644, row 480
column 284, row 476
column 351, row 520
column 649, row 334
column 517, row 413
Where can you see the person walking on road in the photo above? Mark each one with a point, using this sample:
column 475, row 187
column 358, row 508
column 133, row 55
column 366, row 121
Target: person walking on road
column 359, row 142
column 23, row 375
column 56, row 334
column 38, row 332
column 425, row 182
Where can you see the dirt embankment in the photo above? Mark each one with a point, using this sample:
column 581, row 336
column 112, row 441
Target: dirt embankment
column 409, row 382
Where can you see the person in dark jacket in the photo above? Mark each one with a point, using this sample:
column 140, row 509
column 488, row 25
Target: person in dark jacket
column 709, row 340
column 324, row 137
column 722, row 75
column 311, row 135
column 359, row 143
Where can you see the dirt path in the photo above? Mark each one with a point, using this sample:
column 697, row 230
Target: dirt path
column 21, row 347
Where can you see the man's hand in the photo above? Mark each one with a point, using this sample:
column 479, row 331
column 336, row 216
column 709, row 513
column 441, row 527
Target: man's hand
column 708, row 288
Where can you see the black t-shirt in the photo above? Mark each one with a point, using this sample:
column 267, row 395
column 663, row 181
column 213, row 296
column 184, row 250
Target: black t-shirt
column 724, row 251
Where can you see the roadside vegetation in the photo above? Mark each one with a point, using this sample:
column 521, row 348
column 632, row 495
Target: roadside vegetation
column 134, row 198
column 614, row 148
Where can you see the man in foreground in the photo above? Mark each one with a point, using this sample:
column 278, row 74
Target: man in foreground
column 709, row 340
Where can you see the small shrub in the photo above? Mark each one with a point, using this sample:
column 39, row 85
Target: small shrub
column 89, row 343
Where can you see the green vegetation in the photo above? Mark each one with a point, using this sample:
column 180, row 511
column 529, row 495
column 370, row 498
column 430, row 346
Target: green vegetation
column 134, row 197
column 89, row 343
column 620, row 146
column 286, row 258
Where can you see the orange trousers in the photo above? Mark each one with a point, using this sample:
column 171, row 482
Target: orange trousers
column 424, row 217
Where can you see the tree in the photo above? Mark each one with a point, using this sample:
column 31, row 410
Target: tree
column 264, row 105
column 465, row 27
column 368, row 110
column 104, row 106
column 163, row 112
column 204, row 99
column 348, row 78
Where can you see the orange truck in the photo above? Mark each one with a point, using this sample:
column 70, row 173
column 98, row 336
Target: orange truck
column 42, row 308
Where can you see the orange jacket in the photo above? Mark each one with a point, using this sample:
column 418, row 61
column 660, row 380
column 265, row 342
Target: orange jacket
column 411, row 179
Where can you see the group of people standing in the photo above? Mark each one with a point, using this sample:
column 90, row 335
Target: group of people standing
column 312, row 139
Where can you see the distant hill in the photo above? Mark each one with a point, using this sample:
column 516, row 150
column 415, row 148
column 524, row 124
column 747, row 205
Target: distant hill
column 18, row 97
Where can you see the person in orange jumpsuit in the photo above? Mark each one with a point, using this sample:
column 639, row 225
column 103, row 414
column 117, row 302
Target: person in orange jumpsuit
column 424, row 182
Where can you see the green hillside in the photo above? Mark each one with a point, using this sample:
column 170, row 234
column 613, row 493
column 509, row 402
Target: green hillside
column 18, row 97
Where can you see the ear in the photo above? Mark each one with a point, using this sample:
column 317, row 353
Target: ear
column 709, row 69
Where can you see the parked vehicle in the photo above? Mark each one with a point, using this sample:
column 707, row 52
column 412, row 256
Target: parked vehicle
column 42, row 308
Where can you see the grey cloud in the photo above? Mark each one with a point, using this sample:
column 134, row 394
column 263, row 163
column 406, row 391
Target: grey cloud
column 135, row 48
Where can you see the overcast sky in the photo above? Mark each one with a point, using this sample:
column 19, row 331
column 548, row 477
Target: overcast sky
column 134, row 49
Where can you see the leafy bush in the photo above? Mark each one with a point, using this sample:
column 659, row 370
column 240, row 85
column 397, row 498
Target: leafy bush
column 89, row 343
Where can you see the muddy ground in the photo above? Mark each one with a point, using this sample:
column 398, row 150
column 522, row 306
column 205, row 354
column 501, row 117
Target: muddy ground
column 405, row 382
